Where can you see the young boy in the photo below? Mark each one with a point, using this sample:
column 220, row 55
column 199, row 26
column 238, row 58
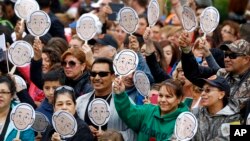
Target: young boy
column 52, row 80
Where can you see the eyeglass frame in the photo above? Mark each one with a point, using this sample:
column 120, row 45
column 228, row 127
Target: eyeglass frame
column 233, row 57
column 208, row 90
column 100, row 73
column 70, row 63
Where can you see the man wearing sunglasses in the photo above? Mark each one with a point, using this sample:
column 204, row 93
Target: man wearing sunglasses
column 102, row 76
column 236, row 71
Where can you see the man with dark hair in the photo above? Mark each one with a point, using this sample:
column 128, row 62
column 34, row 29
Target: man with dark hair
column 102, row 76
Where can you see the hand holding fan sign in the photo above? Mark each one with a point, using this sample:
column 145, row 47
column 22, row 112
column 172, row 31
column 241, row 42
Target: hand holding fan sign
column 22, row 117
column 20, row 54
column 153, row 12
column 209, row 20
column 128, row 20
column 41, row 123
column 23, row 9
column 142, row 83
column 99, row 112
column 86, row 26
column 186, row 126
column 64, row 123
column 189, row 19
column 38, row 23
column 125, row 62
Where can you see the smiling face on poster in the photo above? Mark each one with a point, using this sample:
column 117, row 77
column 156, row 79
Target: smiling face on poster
column 209, row 19
column 64, row 123
column 22, row 116
column 23, row 8
column 20, row 83
column 128, row 19
column 41, row 122
column 99, row 112
column 20, row 53
column 189, row 19
column 38, row 23
column 142, row 83
column 186, row 126
column 86, row 26
column 125, row 62
column 153, row 12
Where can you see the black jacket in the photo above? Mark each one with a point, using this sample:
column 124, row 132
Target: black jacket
column 83, row 132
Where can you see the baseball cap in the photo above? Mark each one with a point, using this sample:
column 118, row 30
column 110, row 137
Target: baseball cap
column 240, row 46
column 218, row 82
column 105, row 40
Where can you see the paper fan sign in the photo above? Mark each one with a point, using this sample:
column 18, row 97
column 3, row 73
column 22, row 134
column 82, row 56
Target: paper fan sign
column 22, row 116
column 23, row 8
column 125, row 62
column 99, row 112
column 186, row 126
column 41, row 122
column 209, row 19
column 248, row 120
column 64, row 123
column 38, row 23
column 20, row 53
column 153, row 12
column 142, row 83
column 20, row 83
column 189, row 19
column 128, row 19
column 86, row 26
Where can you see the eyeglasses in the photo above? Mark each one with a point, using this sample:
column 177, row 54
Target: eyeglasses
column 71, row 64
column 101, row 73
column 65, row 87
column 208, row 90
column 5, row 92
column 232, row 55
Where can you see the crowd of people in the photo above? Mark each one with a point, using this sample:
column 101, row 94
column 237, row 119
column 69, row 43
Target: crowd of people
column 65, row 73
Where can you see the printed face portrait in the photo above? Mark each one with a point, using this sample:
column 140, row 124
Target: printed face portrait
column 23, row 8
column 20, row 53
column 128, row 19
column 188, row 19
column 209, row 19
column 64, row 123
column 125, row 62
column 153, row 12
column 23, row 116
column 186, row 126
column 86, row 28
column 99, row 112
column 142, row 83
column 38, row 23
column 41, row 122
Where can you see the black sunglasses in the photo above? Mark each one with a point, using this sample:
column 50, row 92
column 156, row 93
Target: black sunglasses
column 232, row 55
column 65, row 87
column 70, row 63
column 101, row 73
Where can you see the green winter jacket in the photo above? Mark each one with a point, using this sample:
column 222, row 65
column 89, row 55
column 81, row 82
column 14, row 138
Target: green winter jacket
column 146, row 119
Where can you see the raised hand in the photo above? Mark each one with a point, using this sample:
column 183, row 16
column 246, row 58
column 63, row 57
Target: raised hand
column 118, row 86
column 37, row 46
